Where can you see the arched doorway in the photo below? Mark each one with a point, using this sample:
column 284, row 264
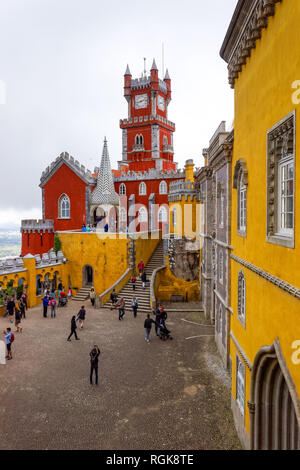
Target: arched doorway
column 273, row 420
column 87, row 276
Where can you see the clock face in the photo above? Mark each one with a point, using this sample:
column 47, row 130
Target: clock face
column 141, row 101
column 160, row 103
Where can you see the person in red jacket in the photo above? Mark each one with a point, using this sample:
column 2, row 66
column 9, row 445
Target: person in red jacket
column 141, row 266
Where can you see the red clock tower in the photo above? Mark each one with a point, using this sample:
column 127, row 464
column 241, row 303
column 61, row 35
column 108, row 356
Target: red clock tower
column 147, row 133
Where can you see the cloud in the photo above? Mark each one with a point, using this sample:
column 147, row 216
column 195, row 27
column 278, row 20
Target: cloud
column 10, row 219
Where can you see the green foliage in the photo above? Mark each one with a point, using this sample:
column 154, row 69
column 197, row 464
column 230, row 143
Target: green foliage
column 57, row 244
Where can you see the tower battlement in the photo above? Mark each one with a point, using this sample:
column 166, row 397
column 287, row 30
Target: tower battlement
column 33, row 225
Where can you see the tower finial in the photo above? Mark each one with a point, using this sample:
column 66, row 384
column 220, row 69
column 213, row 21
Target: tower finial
column 154, row 67
column 127, row 72
column 145, row 67
column 167, row 76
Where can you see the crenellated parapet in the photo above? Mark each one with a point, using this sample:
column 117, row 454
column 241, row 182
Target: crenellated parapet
column 180, row 189
column 33, row 225
column 143, row 119
column 73, row 164
column 151, row 174
column 249, row 20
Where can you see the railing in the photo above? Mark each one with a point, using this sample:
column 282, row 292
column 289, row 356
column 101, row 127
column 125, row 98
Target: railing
column 118, row 285
column 153, row 286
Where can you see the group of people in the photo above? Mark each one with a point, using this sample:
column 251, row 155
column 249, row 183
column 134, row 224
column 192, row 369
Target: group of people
column 88, row 228
column 159, row 322
column 54, row 298
column 16, row 310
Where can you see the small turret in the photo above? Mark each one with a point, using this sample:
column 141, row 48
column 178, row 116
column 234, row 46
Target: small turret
column 154, row 76
column 189, row 171
column 167, row 81
column 127, row 84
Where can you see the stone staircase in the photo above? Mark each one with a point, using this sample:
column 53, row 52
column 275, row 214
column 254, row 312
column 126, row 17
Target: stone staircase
column 83, row 294
column 142, row 295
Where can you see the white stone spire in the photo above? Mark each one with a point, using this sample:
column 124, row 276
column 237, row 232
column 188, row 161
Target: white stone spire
column 104, row 193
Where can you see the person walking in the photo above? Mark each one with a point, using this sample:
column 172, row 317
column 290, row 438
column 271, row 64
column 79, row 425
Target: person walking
column 144, row 279
column 133, row 282
column 24, row 300
column 9, row 338
column 5, row 302
column 92, row 296
column 134, row 305
column 22, row 307
column 18, row 320
column 157, row 321
column 73, row 329
column 141, row 266
column 11, row 308
column 52, row 304
column 163, row 316
column 148, row 325
column 121, row 306
column 81, row 316
column 113, row 298
column 94, row 355
column 45, row 300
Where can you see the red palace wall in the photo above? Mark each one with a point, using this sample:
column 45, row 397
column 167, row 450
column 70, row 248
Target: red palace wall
column 37, row 243
column 65, row 181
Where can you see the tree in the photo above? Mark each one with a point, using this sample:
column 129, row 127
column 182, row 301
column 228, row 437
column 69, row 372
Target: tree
column 57, row 244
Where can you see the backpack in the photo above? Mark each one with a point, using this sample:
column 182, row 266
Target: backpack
column 12, row 338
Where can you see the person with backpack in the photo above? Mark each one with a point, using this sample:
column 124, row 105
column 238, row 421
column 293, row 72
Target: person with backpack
column 9, row 339
column 133, row 282
column 81, row 316
column 18, row 320
column 134, row 305
column 94, row 355
column 52, row 304
column 73, row 329
column 148, row 325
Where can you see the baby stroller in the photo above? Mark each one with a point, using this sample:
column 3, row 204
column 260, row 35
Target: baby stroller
column 62, row 301
column 164, row 333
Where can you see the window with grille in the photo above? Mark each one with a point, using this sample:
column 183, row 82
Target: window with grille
column 142, row 189
column 242, row 297
column 122, row 189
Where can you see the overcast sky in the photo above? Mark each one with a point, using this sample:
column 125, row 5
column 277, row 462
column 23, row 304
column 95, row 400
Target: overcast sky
column 62, row 64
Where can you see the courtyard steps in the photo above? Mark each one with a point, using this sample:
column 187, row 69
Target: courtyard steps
column 83, row 294
column 142, row 295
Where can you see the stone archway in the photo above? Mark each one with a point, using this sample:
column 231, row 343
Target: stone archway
column 87, row 276
column 273, row 412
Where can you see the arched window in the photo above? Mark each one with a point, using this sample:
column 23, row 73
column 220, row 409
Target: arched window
column 143, row 215
column 122, row 189
column 64, row 207
column 165, row 141
column 142, row 189
column 139, row 140
column 240, row 384
column 162, row 214
column 242, row 203
column 163, row 188
column 221, row 267
column 242, row 297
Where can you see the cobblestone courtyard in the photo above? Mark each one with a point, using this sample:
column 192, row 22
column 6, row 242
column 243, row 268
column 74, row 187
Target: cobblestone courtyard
column 162, row 395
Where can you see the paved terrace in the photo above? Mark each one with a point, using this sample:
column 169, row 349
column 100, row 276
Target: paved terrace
column 162, row 395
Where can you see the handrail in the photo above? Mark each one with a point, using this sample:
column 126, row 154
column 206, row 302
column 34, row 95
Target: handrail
column 105, row 293
column 152, row 282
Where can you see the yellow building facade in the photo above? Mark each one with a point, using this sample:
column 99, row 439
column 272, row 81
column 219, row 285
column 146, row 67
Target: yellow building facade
column 263, row 54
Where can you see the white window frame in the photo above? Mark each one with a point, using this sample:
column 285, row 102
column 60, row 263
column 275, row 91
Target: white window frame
column 61, row 211
column 242, row 204
column 174, row 217
column 240, row 384
column 163, row 187
column 221, row 267
column 142, row 189
column 143, row 218
column 122, row 189
column 123, row 215
column 222, row 202
column 283, row 231
column 162, row 210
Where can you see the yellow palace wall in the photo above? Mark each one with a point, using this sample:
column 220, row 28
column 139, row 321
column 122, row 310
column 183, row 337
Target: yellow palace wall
column 263, row 97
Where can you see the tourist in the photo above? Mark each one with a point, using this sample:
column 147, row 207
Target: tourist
column 81, row 316
column 83, row 228
column 52, row 304
column 9, row 338
column 60, row 286
column 106, row 228
column 94, row 355
column 88, row 228
column 134, row 305
column 113, row 298
column 73, row 329
column 163, row 316
column 92, row 296
column 5, row 302
column 69, row 293
column 45, row 301
column 121, row 306
column 157, row 314
column 133, row 282
column 144, row 279
column 22, row 307
column 24, row 299
column 147, row 325
column 11, row 308
column 53, row 295
column 18, row 320
column 141, row 266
